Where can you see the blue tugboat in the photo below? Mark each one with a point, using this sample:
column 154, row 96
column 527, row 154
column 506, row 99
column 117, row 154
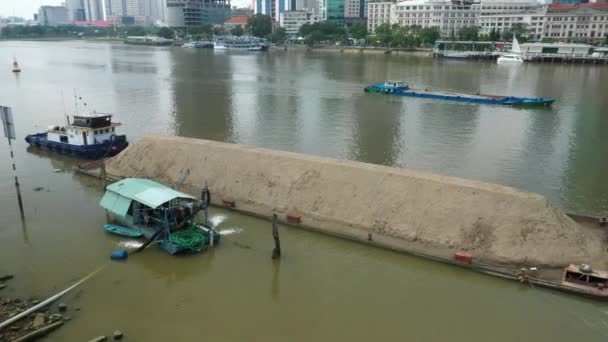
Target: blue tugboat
column 89, row 136
column 402, row 89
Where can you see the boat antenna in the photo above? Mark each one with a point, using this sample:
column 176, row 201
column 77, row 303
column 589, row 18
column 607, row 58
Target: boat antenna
column 67, row 117
column 76, row 101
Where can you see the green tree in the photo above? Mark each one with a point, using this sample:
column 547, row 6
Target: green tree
column 384, row 34
column 358, row 30
column 200, row 32
column 166, row 32
column 494, row 36
column 521, row 31
column 278, row 36
column 305, row 30
column 470, row 33
column 237, row 31
column 315, row 37
column 260, row 25
column 429, row 36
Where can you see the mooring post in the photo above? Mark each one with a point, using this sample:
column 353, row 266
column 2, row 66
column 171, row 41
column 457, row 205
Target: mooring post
column 276, row 252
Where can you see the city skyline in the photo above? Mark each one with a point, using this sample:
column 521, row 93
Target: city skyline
column 26, row 8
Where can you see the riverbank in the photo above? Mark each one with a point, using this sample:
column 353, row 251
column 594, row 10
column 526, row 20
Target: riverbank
column 398, row 208
column 361, row 50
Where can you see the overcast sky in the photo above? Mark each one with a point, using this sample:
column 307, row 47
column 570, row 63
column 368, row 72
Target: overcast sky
column 26, row 8
column 23, row 8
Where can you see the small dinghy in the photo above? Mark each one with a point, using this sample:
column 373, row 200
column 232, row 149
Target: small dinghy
column 124, row 231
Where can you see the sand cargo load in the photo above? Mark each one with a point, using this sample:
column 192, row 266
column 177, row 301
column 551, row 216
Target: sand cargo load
column 397, row 208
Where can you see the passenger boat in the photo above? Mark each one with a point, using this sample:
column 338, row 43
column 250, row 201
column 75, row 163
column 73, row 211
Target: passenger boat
column 16, row 67
column 88, row 136
column 239, row 43
column 401, row 89
column 160, row 212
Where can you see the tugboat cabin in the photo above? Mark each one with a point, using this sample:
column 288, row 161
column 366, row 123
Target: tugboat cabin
column 95, row 128
column 583, row 277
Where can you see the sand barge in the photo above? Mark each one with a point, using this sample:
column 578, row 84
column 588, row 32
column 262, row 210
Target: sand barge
column 397, row 208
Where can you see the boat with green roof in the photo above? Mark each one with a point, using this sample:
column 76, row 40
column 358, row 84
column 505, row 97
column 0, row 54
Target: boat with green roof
column 161, row 213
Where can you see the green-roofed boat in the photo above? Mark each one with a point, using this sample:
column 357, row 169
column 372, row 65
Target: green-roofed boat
column 157, row 210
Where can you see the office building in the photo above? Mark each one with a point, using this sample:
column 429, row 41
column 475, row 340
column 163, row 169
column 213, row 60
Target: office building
column 75, row 10
column 291, row 21
column 570, row 23
column 189, row 13
column 53, row 15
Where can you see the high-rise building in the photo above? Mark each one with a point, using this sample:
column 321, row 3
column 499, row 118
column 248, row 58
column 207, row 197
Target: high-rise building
column 94, row 10
column 53, row 15
column 75, row 10
column 274, row 8
column 334, row 11
column 126, row 12
column 189, row 13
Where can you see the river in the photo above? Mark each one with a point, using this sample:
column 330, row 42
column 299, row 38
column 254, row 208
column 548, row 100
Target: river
column 324, row 288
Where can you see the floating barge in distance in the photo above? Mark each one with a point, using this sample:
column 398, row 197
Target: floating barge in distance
column 402, row 89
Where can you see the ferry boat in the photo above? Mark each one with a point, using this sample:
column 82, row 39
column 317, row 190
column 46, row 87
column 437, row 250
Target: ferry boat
column 239, row 43
column 16, row 67
column 88, row 136
column 400, row 88
column 160, row 213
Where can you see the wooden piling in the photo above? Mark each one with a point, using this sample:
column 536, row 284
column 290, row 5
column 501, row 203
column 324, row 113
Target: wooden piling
column 276, row 252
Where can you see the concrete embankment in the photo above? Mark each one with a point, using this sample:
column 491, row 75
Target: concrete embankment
column 397, row 208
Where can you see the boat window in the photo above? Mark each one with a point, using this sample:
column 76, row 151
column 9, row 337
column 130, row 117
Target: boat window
column 95, row 132
column 107, row 130
column 63, row 138
column 112, row 129
column 586, row 279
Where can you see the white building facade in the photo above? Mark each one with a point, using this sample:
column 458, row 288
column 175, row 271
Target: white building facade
column 577, row 23
column 291, row 21
column 378, row 13
column 450, row 16
column 533, row 22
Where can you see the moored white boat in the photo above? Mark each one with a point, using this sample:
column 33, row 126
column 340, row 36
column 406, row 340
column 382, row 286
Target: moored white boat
column 510, row 58
column 515, row 57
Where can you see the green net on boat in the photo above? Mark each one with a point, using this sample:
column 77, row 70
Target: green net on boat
column 191, row 238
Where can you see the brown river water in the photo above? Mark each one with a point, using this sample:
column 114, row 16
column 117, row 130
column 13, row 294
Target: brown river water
column 324, row 288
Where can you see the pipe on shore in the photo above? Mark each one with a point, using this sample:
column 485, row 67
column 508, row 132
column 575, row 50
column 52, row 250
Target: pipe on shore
column 47, row 301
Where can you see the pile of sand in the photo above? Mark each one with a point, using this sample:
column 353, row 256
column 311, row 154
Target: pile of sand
column 355, row 199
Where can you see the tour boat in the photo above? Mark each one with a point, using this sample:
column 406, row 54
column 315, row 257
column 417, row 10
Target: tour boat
column 16, row 67
column 88, row 136
column 160, row 213
column 402, row 89
column 239, row 43
column 510, row 58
